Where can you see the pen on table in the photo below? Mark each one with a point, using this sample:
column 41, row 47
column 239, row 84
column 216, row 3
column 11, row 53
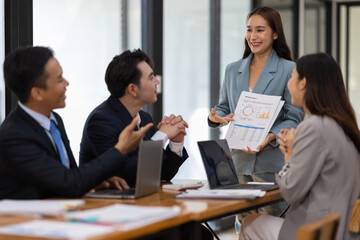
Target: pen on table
column 265, row 183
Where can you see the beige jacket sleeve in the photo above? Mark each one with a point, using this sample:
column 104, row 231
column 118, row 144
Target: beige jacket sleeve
column 309, row 155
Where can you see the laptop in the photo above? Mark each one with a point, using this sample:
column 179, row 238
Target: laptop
column 147, row 175
column 220, row 169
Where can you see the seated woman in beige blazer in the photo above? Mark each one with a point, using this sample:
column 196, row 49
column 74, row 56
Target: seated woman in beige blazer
column 322, row 170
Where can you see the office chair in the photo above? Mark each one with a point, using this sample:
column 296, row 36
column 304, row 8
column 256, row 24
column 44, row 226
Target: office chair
column 354, row 225
column 324, row 229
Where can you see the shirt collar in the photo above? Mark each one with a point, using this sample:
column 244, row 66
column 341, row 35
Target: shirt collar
column 40, row 118
column 139, row 122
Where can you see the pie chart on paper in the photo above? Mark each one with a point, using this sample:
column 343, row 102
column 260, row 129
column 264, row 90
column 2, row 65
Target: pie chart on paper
column 248, row 110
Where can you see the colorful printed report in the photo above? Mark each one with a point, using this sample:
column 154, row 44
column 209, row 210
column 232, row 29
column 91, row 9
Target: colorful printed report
column 254, row 116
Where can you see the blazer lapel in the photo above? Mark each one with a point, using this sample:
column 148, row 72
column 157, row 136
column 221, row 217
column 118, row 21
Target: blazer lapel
column 266, row 75
column 43, row 137
column 243, row 77
column 120, row 109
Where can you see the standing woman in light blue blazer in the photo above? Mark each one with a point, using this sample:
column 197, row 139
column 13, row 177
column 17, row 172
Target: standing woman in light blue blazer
column 265, row 68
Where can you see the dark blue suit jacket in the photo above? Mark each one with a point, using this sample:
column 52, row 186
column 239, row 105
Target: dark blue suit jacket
column 30, row 167
column 101, row 132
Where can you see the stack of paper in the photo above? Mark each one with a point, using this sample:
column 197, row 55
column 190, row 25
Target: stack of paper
column 125, row 217
column 222, row 194
column 254, row 116
column 35, row 208
column 55, row 229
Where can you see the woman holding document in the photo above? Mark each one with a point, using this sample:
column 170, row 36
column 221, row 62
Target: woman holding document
column 323, row 147
column 265, row 69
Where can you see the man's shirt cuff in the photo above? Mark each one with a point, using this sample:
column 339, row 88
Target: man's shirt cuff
column 175, row 147
column 160, row 136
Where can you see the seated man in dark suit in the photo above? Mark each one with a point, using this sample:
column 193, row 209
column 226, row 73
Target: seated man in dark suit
column 132, row 84
column 35, row 156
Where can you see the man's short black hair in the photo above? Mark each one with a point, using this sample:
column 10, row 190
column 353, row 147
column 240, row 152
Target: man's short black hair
column 24, row 68
column 122, row 71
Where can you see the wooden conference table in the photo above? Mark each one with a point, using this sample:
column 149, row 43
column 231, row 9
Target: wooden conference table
column 193, row 212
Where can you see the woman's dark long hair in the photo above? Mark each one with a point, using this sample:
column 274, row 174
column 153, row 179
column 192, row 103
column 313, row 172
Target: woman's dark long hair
column 274, row 20
column 325, row 92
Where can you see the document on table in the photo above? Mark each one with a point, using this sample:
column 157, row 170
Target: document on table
column 254, row 116
column 184, row 186
column 123, row 216
column 55, row 229
column 247, row 194
column 38, row 208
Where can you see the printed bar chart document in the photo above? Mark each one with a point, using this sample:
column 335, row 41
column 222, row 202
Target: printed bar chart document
column 254, row 116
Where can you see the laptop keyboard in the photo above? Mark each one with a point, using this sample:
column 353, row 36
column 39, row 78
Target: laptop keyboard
column 118, row 192
column 127, row 192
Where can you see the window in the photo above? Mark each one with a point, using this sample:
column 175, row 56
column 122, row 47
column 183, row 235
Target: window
column 85, row 35
column 285, row 9
column 233, row 31
column 186, row 74
column 354, row 60
column 187, row 68
column 314, row 27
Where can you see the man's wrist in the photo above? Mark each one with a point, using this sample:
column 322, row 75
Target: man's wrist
column 176, row 147
column 159, row 135
column 121, row 148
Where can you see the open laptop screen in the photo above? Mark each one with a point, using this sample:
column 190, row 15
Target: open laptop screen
column 147, row 175
column 218, row 163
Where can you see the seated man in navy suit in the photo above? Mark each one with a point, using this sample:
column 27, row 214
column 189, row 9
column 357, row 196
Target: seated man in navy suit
column 35, row 156
column 132, row 84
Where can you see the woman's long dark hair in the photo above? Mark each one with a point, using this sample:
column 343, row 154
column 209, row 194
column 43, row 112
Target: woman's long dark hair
column 325, row 92
column 274, row 20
